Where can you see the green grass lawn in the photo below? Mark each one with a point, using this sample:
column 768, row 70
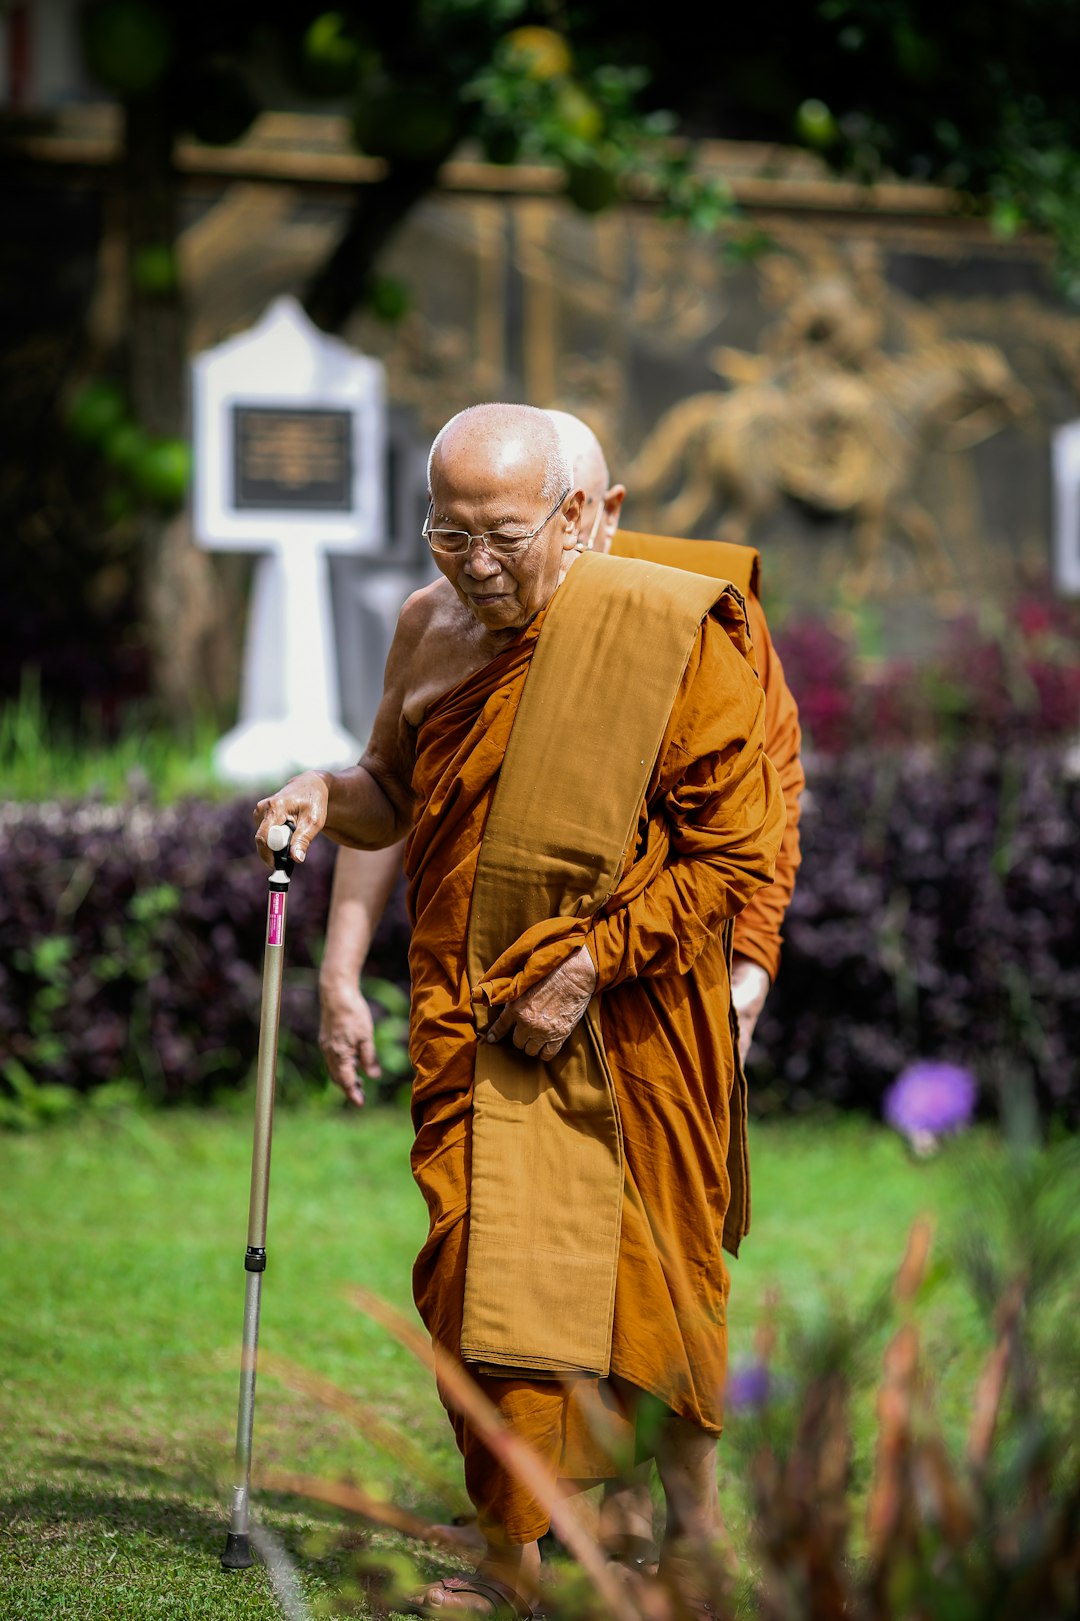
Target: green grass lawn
column 121, row 1245
column 43, row 757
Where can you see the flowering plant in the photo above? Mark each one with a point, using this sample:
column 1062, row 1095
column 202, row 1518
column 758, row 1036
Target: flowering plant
column 929, row 1100
column 993, row 679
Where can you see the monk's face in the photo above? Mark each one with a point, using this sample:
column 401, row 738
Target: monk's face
column 496, row 487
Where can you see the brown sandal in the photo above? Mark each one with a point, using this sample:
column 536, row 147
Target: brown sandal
column 506, row 1605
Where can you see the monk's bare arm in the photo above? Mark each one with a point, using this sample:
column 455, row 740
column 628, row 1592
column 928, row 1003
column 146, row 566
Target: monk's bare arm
column 364, row 880
column 369, row 806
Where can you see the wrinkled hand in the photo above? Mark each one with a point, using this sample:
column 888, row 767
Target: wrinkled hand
column 303, row 801
column 544, row 1017
column 749, row 988
column 347, row 1039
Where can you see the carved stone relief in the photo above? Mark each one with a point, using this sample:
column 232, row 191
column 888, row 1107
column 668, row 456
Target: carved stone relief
column 873, row 412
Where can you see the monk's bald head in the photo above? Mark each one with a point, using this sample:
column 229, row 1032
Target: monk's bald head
column 515, row 443
column 588, row 462
column 589, row 468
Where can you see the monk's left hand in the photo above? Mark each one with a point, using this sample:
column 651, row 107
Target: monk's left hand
column 750, row 985
column 543, row 1017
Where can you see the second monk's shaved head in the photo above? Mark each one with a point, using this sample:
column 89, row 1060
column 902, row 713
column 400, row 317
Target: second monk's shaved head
column 588, row 464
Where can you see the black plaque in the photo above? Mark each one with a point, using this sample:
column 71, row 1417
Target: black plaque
column 291, row 459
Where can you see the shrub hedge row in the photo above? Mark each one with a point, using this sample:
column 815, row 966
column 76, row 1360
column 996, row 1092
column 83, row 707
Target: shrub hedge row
column 935, row 916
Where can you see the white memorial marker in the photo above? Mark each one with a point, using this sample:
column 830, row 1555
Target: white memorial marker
column 289, row 428
column 1066, row 456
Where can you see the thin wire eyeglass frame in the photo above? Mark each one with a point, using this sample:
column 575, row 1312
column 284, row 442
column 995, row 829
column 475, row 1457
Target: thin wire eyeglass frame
column 503, row 547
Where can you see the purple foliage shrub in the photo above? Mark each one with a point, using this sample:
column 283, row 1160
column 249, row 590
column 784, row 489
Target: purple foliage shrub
column 131, row 945
column 1022, row 686
column 935, row 917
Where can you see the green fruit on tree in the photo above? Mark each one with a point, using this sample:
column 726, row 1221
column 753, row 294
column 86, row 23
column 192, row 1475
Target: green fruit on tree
column 163, row 471
column 815, row 123
column 154, row 270
column 128, row 45
column 591, row 186
column 578, row 113
column 389, row 299
column 124, row 444
column 95, row 410
column 1006, row 218
column 330, row 56
column 539, row 52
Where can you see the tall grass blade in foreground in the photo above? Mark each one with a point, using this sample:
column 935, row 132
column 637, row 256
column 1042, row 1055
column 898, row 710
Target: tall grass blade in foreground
column 989, row 1534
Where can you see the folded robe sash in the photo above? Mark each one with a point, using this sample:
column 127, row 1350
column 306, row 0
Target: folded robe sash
column 546, row 1179
column 719, row 559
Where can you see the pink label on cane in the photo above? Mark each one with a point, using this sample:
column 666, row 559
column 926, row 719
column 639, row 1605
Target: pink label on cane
column 275, row 923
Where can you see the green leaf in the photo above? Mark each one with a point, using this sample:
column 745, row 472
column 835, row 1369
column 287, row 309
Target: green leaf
column 48, row 957
column 387, row 994
column 151, row 904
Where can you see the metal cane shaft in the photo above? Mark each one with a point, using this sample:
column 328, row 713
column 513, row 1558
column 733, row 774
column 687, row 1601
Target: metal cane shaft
column 237, row 1552
column 245, row 1417
column 266, row 1071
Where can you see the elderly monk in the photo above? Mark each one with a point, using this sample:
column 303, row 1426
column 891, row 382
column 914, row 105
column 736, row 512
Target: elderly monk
column 575, row 857
column 364, row 880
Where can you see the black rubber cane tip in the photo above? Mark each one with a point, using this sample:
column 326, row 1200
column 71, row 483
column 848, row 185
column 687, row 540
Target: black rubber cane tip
column 237, row 1555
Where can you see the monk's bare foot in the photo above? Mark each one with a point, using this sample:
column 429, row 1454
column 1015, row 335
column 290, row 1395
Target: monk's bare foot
column 702, row 1574
column 505, row 1583
column 626, row 1524
column 464, row 1539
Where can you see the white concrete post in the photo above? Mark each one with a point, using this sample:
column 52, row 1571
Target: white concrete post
column 289, row 462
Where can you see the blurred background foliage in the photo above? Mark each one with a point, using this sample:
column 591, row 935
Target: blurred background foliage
column 979, row 99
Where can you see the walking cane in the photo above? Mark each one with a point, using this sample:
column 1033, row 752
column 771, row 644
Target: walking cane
column 237, row 1555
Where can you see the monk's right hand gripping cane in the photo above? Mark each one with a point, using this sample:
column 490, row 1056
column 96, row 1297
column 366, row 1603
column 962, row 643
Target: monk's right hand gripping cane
column 237, row 1555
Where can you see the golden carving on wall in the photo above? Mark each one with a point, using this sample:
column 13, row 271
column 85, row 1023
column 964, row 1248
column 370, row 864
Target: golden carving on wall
column 676, row 286
column 825, row 416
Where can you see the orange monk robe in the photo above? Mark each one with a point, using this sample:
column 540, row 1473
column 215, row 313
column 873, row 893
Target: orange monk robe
column 758, row 926
column 707, row 840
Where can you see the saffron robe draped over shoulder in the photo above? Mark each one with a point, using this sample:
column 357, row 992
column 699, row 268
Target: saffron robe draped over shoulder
column 758, row 925
column 706, row 838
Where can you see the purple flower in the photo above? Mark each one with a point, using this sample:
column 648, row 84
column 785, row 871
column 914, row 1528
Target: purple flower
column 929, row 1099
column 748, row 1387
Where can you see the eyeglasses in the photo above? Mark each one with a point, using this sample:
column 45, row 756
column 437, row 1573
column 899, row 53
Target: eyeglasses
column 497, row 543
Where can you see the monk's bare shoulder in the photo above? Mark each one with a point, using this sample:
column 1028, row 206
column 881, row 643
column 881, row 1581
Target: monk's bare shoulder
column 435, row 647
column 420, row 612
column 390, row 752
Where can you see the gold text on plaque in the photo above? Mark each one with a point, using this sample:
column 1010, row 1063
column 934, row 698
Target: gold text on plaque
column 293, row 450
